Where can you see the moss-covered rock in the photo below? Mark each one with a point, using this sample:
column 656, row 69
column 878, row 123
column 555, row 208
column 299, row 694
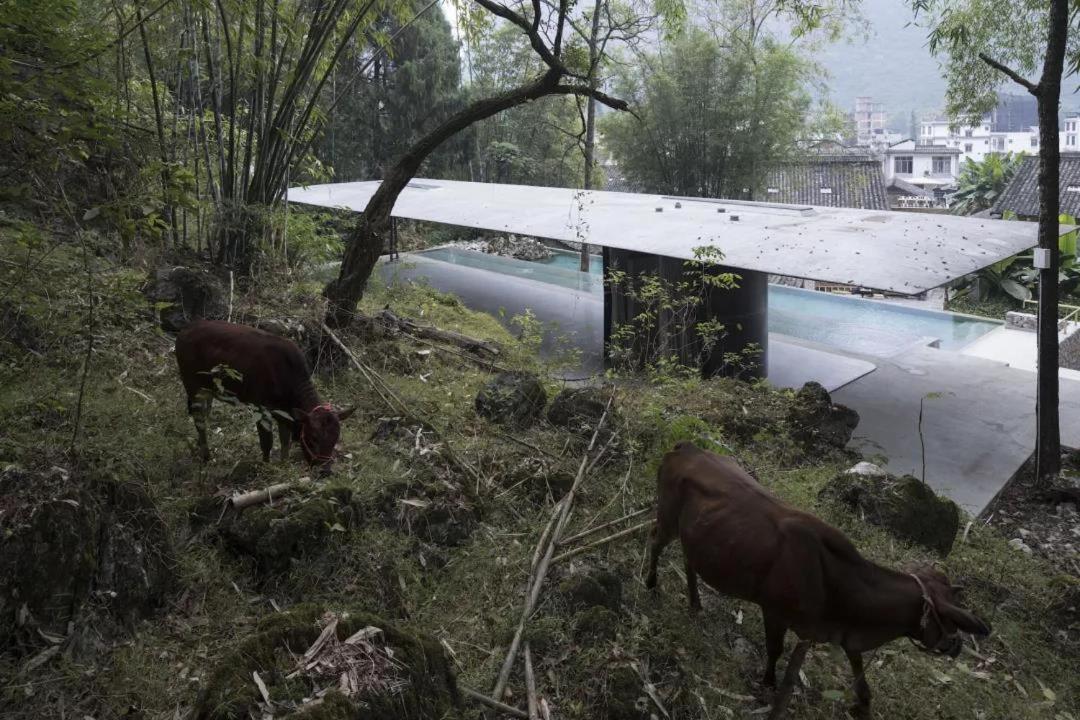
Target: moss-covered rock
column 428, row 687
column 580, row 409
column 67, row 539
column 816, row 420
column 595, row 587
column 514, row 398
column 904, row 506
column 275, row 535
column 596, row 623
column 624, row 698
column 438, row 514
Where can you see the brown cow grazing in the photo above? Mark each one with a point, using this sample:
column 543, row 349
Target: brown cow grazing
column 241, row 363
column 805, row 574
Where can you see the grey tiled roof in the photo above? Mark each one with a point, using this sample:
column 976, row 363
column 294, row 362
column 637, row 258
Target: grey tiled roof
column 1021, row 195
column 851, row 182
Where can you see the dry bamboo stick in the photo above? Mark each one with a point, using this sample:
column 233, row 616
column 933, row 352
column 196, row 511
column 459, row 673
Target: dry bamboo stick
column 538, row 553
column 602, row 541
column 239, row 501
column 492, row 703
column 598, row 528
column 380, row 386
column 537, row 580
column 791, row 675
column 530, row 685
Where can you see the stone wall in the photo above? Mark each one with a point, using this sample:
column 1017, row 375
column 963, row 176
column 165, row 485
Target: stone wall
column 1068, row 347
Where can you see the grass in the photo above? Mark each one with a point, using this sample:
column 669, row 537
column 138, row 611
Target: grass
column 468, row 596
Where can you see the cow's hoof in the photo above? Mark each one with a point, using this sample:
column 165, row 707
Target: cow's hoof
column 859, row 712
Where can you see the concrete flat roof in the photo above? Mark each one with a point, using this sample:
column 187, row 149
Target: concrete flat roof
column 899, row 252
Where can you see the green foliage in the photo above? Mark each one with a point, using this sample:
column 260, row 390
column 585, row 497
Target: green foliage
column 981, row 183
column 376, row 115
column 712, row 115
column 961, row 30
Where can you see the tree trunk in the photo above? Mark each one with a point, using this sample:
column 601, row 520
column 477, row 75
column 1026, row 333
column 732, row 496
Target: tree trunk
column 1048, row 434
column 590, row 119
column 365, row 243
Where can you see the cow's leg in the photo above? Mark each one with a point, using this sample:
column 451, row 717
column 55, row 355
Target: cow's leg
column 285, row 433
column 775, row 630
column 659, row 539
column 692, row 588
column 199, row 408
column 266, row 438
column 861, row 708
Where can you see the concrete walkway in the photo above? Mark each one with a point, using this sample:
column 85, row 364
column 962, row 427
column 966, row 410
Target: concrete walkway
column 979, row 415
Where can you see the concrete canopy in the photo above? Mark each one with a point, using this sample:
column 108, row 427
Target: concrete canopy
column 900, row 252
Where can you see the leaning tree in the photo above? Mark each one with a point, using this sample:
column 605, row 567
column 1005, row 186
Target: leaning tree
column 565, row 72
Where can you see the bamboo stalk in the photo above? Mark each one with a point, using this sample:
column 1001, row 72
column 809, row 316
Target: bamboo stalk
column 602, row 541
column 530, row 685
column 492, row 703
column 598, row 528
column 239, row 501
column 540, row 573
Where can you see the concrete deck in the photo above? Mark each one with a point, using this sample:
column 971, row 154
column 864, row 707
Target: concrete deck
column 978, row 424
column 978, row 431
column 1016, row 348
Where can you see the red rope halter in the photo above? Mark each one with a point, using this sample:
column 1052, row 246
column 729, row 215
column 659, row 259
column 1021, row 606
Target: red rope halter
column 303, row 438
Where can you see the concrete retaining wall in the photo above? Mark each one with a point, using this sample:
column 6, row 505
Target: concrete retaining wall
column 1068, row 346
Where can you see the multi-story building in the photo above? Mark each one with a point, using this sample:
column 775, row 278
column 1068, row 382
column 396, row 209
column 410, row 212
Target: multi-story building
column 975, row 142
column 869, row 119
column 927, row 166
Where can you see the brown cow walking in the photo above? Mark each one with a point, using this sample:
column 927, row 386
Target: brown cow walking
column 220, row 359
column 805, row 574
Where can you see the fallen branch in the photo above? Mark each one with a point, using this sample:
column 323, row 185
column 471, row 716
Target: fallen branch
column 598, row 528
column 395, row 404
column 791, row 676
column 602, row 541
column 529, row 445
column 239, row 501
column 540, row 573
column 410, row 327
column 492, row 703
column 530, row 685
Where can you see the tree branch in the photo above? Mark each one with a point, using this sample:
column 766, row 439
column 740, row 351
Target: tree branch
column 1013, row 75
column 599, row 96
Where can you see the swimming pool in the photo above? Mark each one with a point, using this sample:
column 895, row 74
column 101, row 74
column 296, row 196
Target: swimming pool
column 869, row 327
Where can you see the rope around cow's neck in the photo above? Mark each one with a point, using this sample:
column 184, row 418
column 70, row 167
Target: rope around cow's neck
column 929, row 609
column 303, row 438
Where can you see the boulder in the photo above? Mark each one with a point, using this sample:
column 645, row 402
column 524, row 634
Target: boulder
column 592, row 588
column 513, row 398
column 580, row 409
column 74, row 548
column 596, row 623
column 386, row 672
column 184, row 294
column 276, row 535
column 904, row 506
column 816, row 420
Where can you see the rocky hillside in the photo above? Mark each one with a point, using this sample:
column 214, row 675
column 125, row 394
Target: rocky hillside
column 138, row 582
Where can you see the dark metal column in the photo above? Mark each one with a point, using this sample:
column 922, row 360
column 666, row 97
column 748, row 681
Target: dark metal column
column 744, row 312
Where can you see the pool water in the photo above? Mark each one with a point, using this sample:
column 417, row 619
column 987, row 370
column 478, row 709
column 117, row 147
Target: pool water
column 872, row 327
column 854, row 324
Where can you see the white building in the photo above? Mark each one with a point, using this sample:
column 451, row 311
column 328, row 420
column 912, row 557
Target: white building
column 975, row 142
column 1069, row 132
column 928, row 166
column 869, row 120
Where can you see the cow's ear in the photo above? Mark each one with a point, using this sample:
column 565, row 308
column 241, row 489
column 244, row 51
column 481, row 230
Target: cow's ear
column 344, row 414
column 964, row 620
column 299, row 415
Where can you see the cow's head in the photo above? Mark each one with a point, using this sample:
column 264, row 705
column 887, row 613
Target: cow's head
column 942, row 618
column 320, row 429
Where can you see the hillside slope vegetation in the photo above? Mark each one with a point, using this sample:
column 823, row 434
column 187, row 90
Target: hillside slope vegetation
column 153, row 599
